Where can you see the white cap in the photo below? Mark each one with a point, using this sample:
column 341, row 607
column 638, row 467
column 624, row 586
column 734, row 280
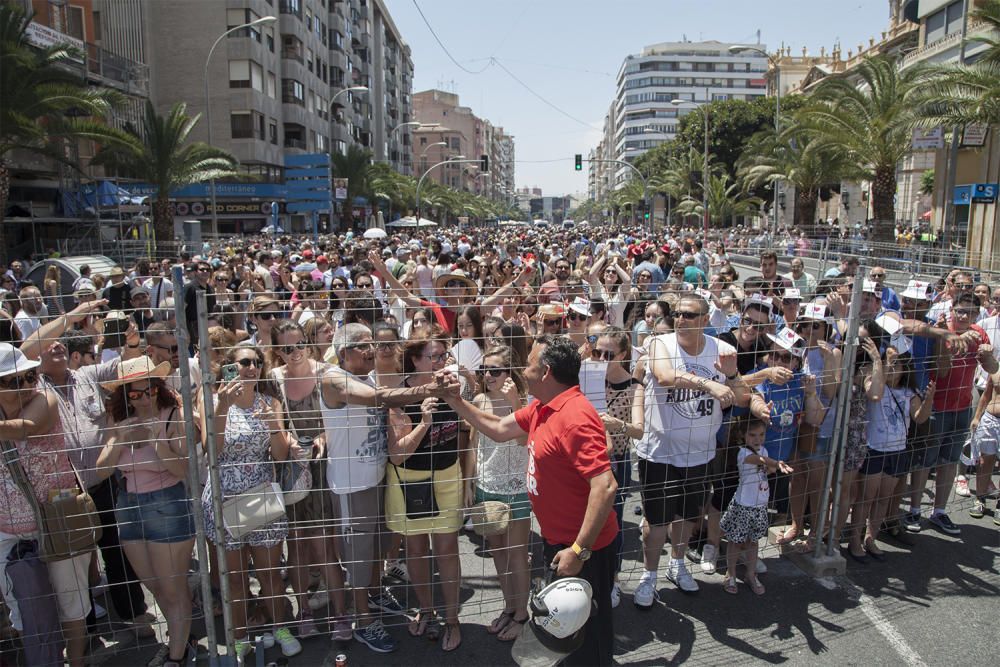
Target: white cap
column 888, row 323
column 789, row 340
column 580, row 305
column 917, row 289
column 871, row 287
column 792, row 293
column 758, row 300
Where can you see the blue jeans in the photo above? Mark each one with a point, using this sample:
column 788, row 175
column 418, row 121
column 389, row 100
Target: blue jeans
column 621, row 467
column 162, row 516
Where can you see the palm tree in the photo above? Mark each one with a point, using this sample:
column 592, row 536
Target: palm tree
column 726, row 201
column 355, row 166
column 867, row 123
column 43, row 103
column 792, row 157
column 159, row 153
column 961, row 95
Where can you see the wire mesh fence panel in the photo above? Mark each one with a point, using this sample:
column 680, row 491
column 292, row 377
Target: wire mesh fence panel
column 370, row 442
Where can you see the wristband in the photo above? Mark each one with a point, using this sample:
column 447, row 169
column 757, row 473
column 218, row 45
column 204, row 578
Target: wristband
column 732, row 377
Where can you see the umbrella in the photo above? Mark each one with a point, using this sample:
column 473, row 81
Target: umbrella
column 410, row 221
column 375, row 233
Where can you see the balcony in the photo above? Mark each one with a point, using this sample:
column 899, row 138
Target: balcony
column 295, row 143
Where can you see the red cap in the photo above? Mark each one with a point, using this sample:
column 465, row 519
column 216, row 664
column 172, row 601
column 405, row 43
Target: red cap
column 634, row 251
column 665, row 248
column 307, row 254
column 322, row 260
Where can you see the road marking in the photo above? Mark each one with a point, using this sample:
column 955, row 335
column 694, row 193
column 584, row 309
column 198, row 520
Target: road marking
column 883, row 625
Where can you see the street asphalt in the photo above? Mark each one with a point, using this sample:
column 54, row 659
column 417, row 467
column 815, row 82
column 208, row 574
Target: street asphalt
column 931, row 602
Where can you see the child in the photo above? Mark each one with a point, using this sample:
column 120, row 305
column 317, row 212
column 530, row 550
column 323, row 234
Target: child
column 745, row 520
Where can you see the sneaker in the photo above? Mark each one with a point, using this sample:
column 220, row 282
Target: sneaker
column 375, row 637
column 319, row 600
column 645, row 593
column 341, row 630
column 267, row 640
column 694, row 555
column 468, row 525
column 305, row 625
column 616, row 595
column 397, row 570
column 386, row 602
column 911, row 521
column 978, row 509
column 677, row 572
column 709, row 556
column 962, row 486
column 289, row 644
column 945, row 524
column 241, row 650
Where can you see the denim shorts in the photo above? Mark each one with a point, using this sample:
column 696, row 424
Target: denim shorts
column 158, row 516
column 948, row 434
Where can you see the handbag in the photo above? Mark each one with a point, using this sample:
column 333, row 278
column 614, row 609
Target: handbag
column 294, row 476
column 68, row 524
column 490, row 517
column 418, row 497
column 252, row 509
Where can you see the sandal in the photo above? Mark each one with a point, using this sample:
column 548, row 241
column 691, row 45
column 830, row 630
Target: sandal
column 729, row 585
column 501, row 622
column 450, row 631
column 517, row 623
column 788, row 536
column 756, row 586
column 421, row 625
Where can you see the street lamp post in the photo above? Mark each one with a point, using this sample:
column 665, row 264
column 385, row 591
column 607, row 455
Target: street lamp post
column 739, row 48
column 329, row 144
column 705, row 174
column 208, row 105
column 412, row 123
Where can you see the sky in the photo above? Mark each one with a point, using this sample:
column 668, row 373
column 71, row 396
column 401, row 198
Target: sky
column 567, row 53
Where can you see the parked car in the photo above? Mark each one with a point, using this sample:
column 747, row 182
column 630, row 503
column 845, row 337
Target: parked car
column 69, row 271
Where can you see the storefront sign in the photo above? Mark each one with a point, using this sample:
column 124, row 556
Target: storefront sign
column 924, row 139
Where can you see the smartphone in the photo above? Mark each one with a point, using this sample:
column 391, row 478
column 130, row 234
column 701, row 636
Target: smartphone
column 229, row 372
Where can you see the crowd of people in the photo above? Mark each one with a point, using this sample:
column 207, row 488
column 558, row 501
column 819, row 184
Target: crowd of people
column 362, row 401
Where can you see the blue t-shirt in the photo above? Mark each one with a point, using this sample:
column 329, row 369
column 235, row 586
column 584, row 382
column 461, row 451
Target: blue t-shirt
column 922, row 354
column 789, row 402
column 890, row 301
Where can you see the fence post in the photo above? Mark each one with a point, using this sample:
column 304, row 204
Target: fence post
column 835, row 469
column 194, row 475
column 204, row 357
column 824, row 250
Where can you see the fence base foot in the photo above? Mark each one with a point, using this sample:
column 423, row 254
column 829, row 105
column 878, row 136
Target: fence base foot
column 821, row 566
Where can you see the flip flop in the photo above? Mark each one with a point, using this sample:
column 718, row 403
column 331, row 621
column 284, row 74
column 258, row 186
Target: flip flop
column 729, row 585
column 513, row 622
column 449, row 630
column 421, row 624
column 756, row 586
column 501, row 622
column 785, row 539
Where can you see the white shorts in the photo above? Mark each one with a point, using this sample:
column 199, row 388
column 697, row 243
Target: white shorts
column 987, row 435
column 70, row 582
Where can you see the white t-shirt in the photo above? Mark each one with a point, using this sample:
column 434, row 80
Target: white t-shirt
column 991, row 325
column 681, row 424
column 356, row 442
column 158, row 291
column 27, row 324
column 753, row 488
column 889, row 419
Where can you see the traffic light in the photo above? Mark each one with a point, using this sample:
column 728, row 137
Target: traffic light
column 579, row 162
column 484, row 163
column 646, row 215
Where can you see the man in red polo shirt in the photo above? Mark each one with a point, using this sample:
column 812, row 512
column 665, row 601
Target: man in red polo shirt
column 569, row 479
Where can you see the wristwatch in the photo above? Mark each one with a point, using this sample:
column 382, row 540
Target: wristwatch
column 583, row 553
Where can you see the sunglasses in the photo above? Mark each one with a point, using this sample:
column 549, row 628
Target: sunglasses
column 687, row 314
column 783, row 357
column 288, row 349
column 550, row 323
column 603, row 355
column 18, row 381
column 577, row 317
column 172, row 349
column 494, row 371
column 790, row 302
column 967, row 312
column 752, row 323
column 247, row 363
column 964, row 286
column 268, row 315
column 363, row 285
column 877, row 276
column 805, row 326
column 204, row 269
column 136, row 394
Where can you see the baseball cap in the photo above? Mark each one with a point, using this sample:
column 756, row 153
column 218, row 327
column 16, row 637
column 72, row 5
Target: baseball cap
column 789, row 340
column 580, row 305
column 792, row 294
column 871, row 287
column 307, row 254
column 760, row 301
column 322, row 260
column 917, row 289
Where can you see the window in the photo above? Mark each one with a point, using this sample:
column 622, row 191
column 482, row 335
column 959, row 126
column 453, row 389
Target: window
column 75, row 24
column 241, row 125
column 246, row 74
column 423, row 141
column 235, row 17
column 456, row 144
column 293, row 92
column 269, row 32
column 291, row 47
column 309, row 59
column 291, row 7
column 272, row 85
column 272, row 131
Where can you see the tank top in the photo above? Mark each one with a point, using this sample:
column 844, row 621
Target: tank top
column 47, row 467
column 500, row 466
column 356, row 444
column 303, row 414
column 681, row 424
column 619, row 400
column 142, row 469
column 439, row 448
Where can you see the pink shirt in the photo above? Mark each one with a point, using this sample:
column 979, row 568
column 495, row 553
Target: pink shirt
column 143, row 470
column 47, row 466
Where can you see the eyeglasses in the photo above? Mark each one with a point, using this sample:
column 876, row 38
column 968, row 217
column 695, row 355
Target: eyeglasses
column 687, row 314
column 967, row 312
column 136, row 394
column 247, row 363
column 18, row 381
column 172, row 349
column 268, row 315
column 494, row 371
column 752, row 323
column 963, row 286
column 385, row 346
column 435, row 358
column 577, row 317
column 288, row 349
column 604, row 355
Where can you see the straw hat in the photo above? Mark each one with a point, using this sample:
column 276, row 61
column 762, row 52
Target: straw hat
column 458, row 275
column 138, row 368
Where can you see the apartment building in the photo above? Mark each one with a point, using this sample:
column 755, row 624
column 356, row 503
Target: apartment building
column 666, row 81
column 448, row 129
